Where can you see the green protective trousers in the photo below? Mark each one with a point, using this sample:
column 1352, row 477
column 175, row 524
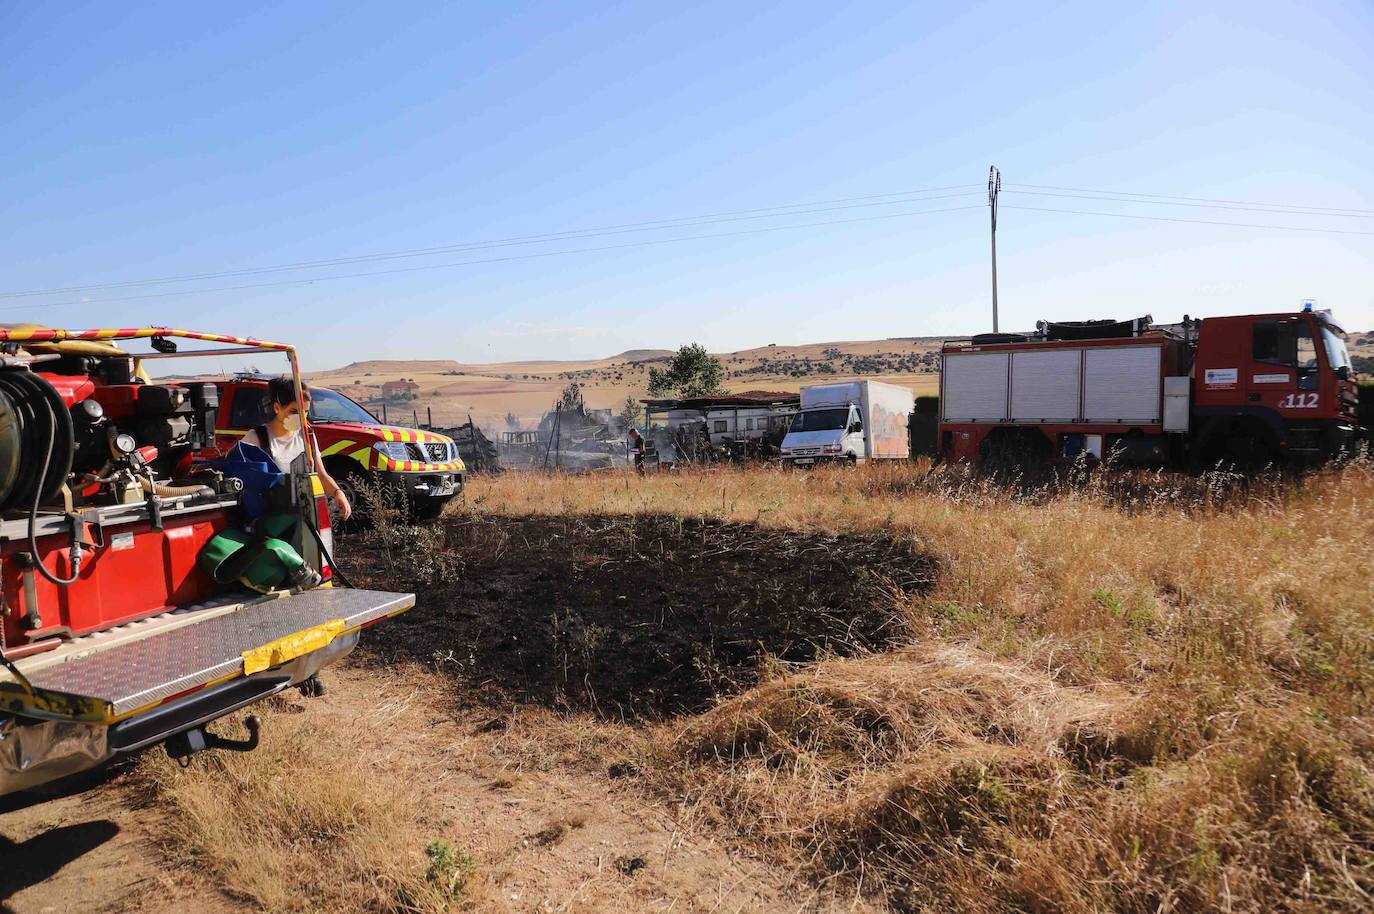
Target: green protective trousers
column 261, row 560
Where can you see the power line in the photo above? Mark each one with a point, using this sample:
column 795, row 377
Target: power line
column 490, row 260
column 895, row 198
column 1122, row 193
column 785, row 210
column 1286, row 228
column 1258, row 208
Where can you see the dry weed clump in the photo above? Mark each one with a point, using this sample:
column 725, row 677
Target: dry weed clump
column 1130, row 693
column 886, row 767
column 946, row 779
column 304, row 824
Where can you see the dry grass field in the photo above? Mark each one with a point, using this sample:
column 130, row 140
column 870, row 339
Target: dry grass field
column 886, row 687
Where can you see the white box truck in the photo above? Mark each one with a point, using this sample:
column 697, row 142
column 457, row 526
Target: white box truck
column 853, row 421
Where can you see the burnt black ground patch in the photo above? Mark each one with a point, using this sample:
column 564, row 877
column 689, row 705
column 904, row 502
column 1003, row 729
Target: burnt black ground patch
column 640, row 615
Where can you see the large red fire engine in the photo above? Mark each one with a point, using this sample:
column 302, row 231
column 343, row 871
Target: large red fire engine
column 1244, row 391
column 113, row 636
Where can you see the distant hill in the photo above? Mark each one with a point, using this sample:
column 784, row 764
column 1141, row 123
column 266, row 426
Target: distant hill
column 390, row 366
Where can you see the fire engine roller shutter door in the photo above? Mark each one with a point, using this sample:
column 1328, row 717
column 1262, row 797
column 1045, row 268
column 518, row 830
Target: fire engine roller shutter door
column 975, row 386
column 1044, row 385
column 1121, row 385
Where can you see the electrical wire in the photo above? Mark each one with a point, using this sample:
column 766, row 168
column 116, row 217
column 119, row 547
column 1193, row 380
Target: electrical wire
column 895, row 198
column 1285, row 228
column 1325, row 210
column 1254, row 209
column 785, row 210
column 506, row 259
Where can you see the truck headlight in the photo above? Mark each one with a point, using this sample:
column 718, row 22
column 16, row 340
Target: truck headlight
column 831, row 449
column 395, row 450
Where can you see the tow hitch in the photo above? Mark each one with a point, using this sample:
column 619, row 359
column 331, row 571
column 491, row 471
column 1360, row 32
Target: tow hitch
column 187, row 743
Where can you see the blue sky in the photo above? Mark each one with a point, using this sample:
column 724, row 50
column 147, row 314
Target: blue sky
column 165, row 139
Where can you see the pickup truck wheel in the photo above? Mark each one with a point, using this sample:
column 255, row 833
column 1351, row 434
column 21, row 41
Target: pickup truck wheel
column 428, row 509
column 353, row 482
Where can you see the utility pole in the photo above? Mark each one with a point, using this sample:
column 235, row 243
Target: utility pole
column 994, row 187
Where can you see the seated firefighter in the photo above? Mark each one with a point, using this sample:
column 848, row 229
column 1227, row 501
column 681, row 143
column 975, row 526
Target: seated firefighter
column 259, row 553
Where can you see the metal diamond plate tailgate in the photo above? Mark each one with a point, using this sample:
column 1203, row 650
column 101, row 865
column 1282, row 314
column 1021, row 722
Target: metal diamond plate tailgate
column 105, row 681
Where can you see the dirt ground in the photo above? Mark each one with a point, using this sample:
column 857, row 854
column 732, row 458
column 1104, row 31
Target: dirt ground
column 94, row 851
column 546, row 835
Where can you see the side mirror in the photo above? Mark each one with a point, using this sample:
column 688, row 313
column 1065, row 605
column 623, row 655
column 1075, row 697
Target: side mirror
column 1343, row 373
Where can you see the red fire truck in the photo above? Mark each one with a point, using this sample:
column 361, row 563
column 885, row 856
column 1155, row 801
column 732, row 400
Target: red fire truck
column 1243, row 391
column 113, row 635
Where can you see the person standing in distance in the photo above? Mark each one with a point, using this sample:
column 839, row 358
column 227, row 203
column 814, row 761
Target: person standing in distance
column 636, row 446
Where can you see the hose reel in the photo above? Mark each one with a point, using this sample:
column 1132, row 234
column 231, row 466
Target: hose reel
column 35, row 433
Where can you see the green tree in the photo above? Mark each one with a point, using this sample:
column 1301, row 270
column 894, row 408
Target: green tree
column 693, row 372
column 570, row 401
column 630, row 410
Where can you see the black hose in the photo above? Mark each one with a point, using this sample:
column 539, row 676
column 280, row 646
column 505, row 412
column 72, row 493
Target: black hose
column 324, row 550
column 33, row 521
column 28, row 393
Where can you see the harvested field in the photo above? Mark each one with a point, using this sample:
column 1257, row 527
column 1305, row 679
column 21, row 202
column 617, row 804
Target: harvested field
column 650, row 613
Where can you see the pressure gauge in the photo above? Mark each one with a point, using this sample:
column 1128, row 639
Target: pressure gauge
column 124, row 443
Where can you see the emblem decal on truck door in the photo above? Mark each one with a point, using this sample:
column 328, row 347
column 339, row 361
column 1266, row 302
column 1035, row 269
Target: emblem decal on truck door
column 1221, row 377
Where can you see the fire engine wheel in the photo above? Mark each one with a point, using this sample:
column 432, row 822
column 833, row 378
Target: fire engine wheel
column 1246, row 453
column 1014, row 450
column 1240, row 447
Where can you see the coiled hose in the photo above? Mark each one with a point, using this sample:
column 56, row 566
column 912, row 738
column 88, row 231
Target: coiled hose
column 37, row 421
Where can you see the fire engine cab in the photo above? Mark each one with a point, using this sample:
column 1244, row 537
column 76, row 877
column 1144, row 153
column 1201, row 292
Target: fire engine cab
column 1243, row 391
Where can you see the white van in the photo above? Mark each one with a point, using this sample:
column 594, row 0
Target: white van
column 854, row 421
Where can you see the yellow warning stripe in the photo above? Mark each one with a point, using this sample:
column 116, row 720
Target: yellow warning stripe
column 289, row 647
column 399, row 433
column 53, row 705
column 372, row 459
column 384, row 462
column 49, row 335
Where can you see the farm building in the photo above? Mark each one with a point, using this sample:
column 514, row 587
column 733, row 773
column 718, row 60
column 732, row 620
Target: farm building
column 400, row 390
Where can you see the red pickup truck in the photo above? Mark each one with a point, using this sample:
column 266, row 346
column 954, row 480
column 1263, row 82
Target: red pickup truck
column 358, row 449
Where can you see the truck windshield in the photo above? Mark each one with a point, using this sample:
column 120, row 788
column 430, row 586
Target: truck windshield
column 820, row 420
column 1335, row 349
column 331, row 406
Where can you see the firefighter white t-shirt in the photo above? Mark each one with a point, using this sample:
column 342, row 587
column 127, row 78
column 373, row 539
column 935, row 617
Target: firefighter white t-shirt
column 282, row 450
